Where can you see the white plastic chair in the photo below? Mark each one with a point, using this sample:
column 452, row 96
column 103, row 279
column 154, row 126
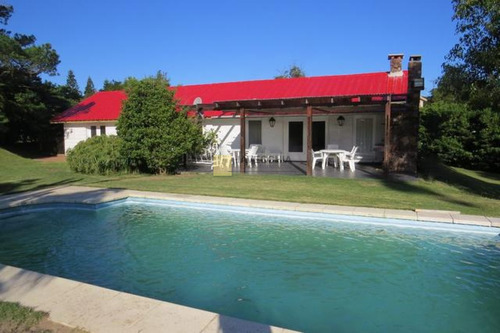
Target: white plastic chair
column 316, row 156
column 252, row 153
column 351, row 158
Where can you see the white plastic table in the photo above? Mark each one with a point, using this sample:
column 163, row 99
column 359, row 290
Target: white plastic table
column 340, row 154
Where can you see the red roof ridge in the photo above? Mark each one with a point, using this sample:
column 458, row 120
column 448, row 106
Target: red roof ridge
column 291, row 78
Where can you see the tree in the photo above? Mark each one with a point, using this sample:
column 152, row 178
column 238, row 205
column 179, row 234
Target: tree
column 112, row 85
column 462, row 123
column 71, row 90
column 155, row 132
column 26, row 103
column 472, row 71
column 89, row 88
column 293, row 72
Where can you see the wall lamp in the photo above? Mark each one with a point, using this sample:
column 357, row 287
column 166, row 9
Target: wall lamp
column 341, row 121
column 272, row 121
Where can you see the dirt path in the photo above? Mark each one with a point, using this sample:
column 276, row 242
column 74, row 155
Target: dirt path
column 57, row 158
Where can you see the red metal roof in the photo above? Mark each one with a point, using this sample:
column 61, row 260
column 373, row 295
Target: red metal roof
column 104, row 105
column 107, row 105
column 317, row 86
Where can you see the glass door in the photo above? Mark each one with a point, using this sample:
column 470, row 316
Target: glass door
column 364, row 135
column 295, row 141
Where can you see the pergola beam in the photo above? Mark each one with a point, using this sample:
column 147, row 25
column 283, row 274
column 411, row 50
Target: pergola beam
column 387, row 138
column 242, row 140
column 309, row 140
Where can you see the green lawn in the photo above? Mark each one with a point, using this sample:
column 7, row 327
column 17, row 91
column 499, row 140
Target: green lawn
column 442, row 188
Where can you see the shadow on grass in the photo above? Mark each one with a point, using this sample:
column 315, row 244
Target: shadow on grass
column 28, row 151
column 30, row 185
column 411, row 187
column 432, row 169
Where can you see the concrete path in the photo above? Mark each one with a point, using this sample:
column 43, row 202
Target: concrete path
column 98, row 309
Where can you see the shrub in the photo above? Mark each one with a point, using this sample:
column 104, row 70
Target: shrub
column 155, row 133
column 97, row 155
column 460, row 136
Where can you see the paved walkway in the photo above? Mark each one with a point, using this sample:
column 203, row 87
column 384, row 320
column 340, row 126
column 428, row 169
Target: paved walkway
column 98, row 309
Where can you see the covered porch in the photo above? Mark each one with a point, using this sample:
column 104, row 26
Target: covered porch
column 293, row 128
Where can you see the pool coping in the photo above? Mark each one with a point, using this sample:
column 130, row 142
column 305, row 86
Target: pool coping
column 98, row 309
column 94, row 196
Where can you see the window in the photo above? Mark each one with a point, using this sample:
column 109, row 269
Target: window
column 93, row 131
column 254, row 132
column 103, row 130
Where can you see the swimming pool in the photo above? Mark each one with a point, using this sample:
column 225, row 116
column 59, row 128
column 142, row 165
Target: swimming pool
column 305, row 271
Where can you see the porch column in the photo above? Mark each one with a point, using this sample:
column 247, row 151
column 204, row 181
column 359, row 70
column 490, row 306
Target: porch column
column 242, row 140
column 387, row 138
column 309, row 140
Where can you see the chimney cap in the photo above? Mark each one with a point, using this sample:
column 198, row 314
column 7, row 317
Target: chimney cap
column 416, row 57
column 395, row 55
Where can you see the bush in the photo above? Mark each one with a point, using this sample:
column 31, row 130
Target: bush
column 155, row 133
column 460, row 136
column 97, row 155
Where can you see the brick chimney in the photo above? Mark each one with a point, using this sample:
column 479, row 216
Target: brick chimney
column 415, row 80
column 396, row 63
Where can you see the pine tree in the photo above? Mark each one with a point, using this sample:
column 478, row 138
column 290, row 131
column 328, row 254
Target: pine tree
column 89, row 88
column 71, row 90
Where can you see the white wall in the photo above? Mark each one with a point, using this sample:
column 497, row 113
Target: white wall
column 76, row 132
column 228, row 130
column 276, row 138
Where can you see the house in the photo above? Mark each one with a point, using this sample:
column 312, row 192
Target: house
column 378, row 112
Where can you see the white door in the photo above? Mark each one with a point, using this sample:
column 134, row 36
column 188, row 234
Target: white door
column 364, row 135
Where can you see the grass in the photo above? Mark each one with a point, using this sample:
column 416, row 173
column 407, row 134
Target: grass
column 441, row 187
column 17, row 318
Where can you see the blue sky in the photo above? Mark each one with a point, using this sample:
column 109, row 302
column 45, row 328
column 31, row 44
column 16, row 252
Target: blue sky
column 219, row 41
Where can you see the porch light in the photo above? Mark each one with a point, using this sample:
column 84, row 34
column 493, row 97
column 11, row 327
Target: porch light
column 341, row 120
column 272, row 122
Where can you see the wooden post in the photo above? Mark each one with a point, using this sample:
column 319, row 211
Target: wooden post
column 387, row 138
column 242, row 140
column 309, row 140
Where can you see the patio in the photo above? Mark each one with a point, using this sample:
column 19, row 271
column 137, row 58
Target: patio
column 299, row 168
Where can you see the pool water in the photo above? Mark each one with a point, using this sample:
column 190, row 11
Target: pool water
column 306, row 273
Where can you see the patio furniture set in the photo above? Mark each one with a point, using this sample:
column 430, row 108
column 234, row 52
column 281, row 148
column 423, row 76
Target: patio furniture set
column 226, row 156
column 339, row 157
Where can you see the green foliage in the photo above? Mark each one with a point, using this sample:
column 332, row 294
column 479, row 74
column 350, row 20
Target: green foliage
column 444, row 132
column 112, row 85
column 292, row 72
column 99, row 155
column 461, row 123
column 472, row 71
column 89, row 88
column 156, row 134
column 71, row 90
column 26, row 104
column 460, row 136
column 5, row 13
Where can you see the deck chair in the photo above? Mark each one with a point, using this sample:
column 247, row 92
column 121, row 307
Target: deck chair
column 316, row 156
column 252, row 153
column 352, row 158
